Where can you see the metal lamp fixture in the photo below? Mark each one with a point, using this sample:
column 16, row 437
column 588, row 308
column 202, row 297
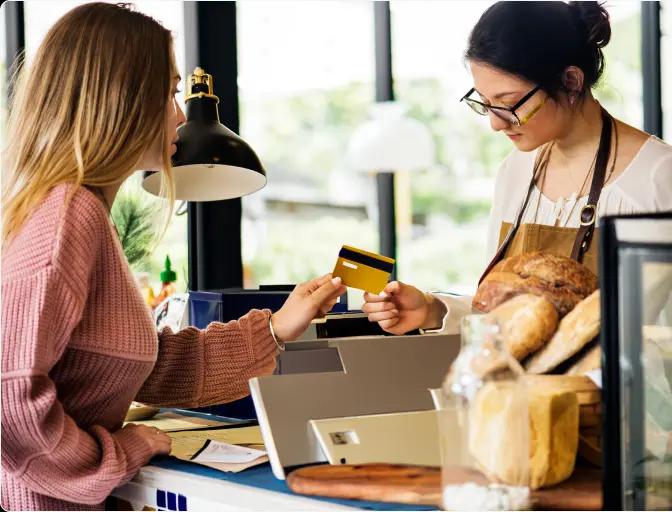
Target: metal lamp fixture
column 212, row 162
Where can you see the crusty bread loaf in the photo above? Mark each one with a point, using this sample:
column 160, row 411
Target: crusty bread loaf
column 562, row 281
column 577, row 329
column 498, row 287
column 526, row 323
column 557, row 270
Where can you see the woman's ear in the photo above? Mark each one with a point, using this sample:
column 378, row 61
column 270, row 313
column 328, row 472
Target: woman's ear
column 572, row 81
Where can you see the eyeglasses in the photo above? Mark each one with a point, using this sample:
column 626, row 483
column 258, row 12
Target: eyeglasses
column 508, row 114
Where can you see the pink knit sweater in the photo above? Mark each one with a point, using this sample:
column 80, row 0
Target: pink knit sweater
column 78, row 345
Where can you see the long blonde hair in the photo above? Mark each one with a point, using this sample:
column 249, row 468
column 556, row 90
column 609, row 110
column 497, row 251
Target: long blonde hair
column 88, row 107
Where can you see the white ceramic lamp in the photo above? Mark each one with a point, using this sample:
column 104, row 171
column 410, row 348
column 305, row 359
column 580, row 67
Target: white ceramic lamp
column 390, row 141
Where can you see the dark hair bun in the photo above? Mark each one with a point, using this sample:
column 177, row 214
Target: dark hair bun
column 539, row 40
column 595, row 20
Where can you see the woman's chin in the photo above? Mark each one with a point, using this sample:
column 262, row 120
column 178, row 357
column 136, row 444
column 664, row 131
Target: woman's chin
column 524, row 144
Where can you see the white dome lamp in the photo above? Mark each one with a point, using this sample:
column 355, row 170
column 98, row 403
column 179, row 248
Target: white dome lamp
column 390, row 141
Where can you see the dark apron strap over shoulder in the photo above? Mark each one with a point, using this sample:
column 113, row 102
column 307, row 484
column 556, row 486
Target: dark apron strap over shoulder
column 589, row 211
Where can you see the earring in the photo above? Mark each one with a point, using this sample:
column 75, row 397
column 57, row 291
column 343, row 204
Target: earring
column 572, row 99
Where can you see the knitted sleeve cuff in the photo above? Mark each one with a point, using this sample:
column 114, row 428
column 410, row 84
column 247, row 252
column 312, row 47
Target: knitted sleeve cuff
column 263, row 344
column 137, row 450
column 233, row 359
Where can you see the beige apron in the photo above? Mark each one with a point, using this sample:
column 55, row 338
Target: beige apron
column 556, row 240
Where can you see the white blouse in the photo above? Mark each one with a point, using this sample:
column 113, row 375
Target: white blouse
column 645, row 185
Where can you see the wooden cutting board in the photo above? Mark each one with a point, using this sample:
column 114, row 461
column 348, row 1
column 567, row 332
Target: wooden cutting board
column 419, row 485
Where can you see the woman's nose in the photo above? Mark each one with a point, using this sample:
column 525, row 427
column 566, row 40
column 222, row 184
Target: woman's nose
column 497, row 123
column 181, row 119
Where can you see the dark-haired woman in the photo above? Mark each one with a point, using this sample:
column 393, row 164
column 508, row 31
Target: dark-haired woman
column 534, row 65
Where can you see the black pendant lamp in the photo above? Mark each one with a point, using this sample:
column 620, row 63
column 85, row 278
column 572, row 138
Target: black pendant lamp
column 212, row 162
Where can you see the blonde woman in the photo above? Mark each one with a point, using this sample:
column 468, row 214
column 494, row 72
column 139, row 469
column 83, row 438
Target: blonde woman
column 78, row 344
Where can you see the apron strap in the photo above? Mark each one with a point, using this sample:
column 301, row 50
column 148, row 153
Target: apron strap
column 539, row 166
column 589, row 211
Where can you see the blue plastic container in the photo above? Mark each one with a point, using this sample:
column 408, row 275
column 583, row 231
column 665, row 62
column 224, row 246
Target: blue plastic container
column 230, row 304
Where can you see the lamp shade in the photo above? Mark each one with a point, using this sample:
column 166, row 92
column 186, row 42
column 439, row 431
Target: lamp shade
column 390, row 141
column 212, row 162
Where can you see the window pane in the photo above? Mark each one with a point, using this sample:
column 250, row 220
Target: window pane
column 666, row 60
column 305, row 76
column 40, row 15
column 442, row 235
column 620, row 90
column 3, row 79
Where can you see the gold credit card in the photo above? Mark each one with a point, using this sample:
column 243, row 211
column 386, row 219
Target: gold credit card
column 362, row 269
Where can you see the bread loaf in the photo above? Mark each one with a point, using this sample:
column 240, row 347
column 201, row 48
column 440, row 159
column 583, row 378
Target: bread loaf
column 561, row 281
column 577, row 329
column 554, row 436
column 557, row 270
column 526, row 323
column 498, row 433
column 495, row 434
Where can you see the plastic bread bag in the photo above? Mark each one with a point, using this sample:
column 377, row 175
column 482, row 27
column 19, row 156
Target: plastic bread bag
column 484, row 425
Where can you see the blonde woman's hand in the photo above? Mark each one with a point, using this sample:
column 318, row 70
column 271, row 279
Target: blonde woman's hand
column 159, row 441
column 400, row 308
column 308, row 300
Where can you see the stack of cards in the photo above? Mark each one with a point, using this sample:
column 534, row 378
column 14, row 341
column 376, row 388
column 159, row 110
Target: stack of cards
column 363, row 270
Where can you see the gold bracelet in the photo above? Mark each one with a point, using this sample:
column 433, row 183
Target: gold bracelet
column 281, row 346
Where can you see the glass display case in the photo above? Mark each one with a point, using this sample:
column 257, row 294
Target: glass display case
column 636, row 341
